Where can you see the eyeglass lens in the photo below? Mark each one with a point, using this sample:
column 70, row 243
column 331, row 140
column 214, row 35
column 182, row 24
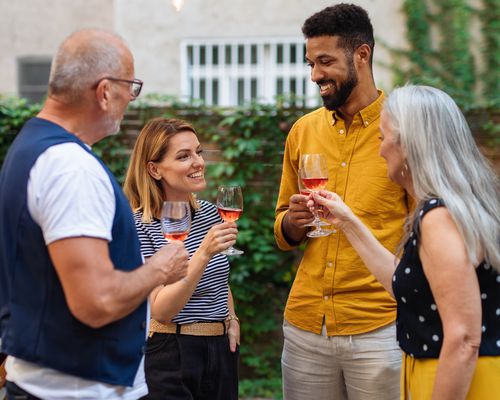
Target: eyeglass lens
column 136, row 88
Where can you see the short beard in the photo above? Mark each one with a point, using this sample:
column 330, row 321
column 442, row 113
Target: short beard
column 113, row 126
column 342, row 91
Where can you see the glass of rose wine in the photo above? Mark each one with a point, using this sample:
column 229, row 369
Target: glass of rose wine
column 314, row 175
column 230, row 206
column 305, row 192
column 175, row 220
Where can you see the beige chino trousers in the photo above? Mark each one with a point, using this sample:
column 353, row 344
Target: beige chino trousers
column 358, row 367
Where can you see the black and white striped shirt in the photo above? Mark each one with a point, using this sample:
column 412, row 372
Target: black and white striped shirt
column 209, row 300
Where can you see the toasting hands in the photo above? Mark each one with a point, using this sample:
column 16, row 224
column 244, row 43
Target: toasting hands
column 331, row 207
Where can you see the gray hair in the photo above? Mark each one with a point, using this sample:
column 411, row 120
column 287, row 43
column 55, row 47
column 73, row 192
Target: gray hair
column 446, row 163
column 82, row 59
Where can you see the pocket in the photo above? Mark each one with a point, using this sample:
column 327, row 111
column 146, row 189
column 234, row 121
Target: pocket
column 162, row 354
column 159, row 342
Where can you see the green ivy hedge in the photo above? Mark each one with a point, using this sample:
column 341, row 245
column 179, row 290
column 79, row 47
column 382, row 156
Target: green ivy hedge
column 251, row 141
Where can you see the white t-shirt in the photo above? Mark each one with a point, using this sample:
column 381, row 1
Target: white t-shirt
column 65, row 184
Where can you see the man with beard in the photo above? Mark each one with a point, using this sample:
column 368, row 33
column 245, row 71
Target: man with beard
column 339, row 331
column 73, row 286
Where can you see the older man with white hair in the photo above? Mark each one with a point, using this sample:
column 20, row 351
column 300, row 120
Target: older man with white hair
column 73, row 286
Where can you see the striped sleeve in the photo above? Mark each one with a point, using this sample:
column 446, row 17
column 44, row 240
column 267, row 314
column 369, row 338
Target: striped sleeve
column 209, row 300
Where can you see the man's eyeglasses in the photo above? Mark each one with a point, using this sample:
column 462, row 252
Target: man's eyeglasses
column 135, row 85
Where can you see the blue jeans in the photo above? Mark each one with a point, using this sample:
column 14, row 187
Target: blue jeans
column 185, row 367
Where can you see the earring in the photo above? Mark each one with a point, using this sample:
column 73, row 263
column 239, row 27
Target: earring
column 404, row 169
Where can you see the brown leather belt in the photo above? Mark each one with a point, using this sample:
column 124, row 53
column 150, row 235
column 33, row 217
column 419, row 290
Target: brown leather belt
column 194, row 329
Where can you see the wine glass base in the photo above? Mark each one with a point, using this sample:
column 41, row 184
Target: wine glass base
column 232, row 252
column 321, row 223
column 318, row 233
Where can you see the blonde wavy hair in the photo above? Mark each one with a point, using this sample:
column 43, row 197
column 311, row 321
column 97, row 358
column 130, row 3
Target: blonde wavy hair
column 143, row 191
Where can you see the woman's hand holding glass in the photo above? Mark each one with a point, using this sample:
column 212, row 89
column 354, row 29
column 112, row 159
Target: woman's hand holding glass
column 219, row 238
column 333, row 208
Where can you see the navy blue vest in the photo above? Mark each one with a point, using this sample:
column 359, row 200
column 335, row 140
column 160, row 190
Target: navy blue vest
column 36, row 324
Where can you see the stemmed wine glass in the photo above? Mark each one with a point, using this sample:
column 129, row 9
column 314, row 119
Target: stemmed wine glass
column 314, row 176
column 175, row 220
column 305, row 192
column 230, row 206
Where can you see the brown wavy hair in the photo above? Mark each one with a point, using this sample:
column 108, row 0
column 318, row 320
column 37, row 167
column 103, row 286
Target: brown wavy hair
column 143, row 191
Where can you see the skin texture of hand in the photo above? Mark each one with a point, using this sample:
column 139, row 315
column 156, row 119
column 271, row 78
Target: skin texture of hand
column 299, row 213
column 172, row 261
column 332, row 207
column 297, row 216
column 233, row 333
column 219, row 238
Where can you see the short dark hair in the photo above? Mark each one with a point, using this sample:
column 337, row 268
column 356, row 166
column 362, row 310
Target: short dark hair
column 347, row 21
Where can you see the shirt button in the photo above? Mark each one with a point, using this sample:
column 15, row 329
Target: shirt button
column 334, row 230
column 143, row 325
column 329, row 264
column 366, row 123
column 341, row 131
column 326, row 297
column 343, row 164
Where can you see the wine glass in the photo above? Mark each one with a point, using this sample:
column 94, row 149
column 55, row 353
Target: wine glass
column 230, row 207
column 175, row 220
column 314, row 176
column 305, row 192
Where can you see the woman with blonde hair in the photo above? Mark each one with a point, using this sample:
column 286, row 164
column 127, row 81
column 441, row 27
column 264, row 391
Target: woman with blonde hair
column 192, row 350
column 446, row 282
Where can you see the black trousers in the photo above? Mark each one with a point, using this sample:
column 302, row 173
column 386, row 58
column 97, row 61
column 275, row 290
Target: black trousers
column 14, row 392
column 184, row 367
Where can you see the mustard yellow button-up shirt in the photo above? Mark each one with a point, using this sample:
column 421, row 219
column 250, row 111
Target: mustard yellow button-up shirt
column 332, row 282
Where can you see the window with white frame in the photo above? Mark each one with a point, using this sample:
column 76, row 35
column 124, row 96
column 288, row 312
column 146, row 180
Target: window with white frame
column 230, row 72
column 33, row 77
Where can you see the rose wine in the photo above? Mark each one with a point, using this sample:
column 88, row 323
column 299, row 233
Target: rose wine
column 176, row 235
column 315, row 183
column 229, row 214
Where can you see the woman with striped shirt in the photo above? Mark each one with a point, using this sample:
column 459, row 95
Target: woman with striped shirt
column 192, row 350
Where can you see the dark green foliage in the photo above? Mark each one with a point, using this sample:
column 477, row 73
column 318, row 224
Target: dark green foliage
column 251, row 142
column 13, row 114
column 490, row 17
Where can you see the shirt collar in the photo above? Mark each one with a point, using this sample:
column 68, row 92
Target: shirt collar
column 368, row 114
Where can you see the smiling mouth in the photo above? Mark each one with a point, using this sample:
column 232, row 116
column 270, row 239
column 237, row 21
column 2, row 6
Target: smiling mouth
column 324, row 88
column 197, row 175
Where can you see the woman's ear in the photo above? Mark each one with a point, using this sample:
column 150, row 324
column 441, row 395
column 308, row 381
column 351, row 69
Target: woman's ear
column 153, row 171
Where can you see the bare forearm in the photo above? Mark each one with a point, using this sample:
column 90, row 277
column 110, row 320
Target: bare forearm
column 230, row 302
column 379, row 260
column 122, row 294
column 459, row 356
column 172, row 298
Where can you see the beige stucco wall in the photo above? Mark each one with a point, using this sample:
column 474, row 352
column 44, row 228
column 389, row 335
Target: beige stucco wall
column 154, row 29
column 36, row 27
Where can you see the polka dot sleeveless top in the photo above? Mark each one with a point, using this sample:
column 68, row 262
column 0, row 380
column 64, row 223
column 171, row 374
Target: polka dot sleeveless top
column 419, row 328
